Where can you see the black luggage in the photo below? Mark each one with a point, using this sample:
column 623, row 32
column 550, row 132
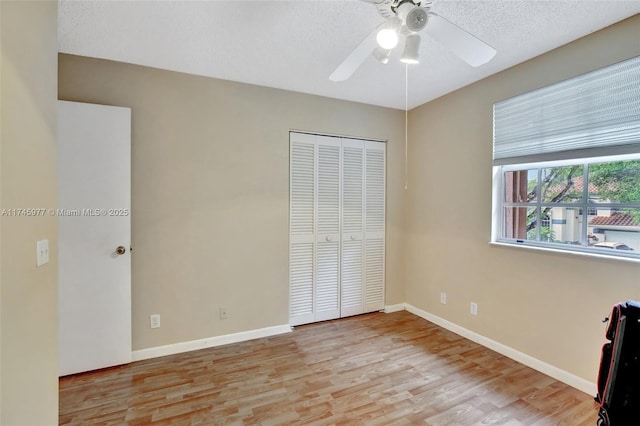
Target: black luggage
column 619, row 375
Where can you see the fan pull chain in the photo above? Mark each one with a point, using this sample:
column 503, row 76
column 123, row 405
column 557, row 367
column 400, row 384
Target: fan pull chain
column 406, row 126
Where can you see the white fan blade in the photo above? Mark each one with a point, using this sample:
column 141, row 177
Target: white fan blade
column 356, row 58
column 467, row 47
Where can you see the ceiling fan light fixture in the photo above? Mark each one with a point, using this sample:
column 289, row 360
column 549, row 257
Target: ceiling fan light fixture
column 405, row 19
column 387, row 38
column 382, row 55
column 411, row 47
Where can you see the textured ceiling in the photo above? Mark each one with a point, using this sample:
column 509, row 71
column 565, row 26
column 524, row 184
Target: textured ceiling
column 295, row 45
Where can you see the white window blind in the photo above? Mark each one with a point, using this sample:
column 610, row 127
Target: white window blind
column 594, row 114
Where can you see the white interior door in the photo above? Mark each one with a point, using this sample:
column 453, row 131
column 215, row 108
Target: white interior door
column 94, row 201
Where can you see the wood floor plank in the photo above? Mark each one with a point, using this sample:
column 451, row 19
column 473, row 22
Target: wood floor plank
column 375, row 369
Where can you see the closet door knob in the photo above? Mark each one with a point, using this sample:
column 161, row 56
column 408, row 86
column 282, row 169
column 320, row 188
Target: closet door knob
column 353, row 237
column 328, row 238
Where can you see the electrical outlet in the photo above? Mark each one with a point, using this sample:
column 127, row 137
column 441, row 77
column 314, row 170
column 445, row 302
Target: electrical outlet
column 473, row 308
column 223, row 313
column 155, row 320
column 42, row 255
column 443, row 298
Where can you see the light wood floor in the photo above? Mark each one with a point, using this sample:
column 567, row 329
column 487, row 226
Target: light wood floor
column 375, row 369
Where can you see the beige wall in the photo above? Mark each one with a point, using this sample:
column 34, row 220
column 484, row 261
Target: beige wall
column 210, row 192
column 28, row 297
column 210, row 205
column 549, row 306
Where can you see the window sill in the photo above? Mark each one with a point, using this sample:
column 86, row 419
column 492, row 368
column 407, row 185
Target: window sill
column 566, row 252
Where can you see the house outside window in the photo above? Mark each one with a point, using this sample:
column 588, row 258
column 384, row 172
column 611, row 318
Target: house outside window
column 567, row 164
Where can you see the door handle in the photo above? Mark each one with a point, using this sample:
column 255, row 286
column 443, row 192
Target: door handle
column 121, row 250
column 353, row 237
column 328, row 238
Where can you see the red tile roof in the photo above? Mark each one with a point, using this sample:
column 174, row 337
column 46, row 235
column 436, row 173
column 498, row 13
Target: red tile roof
column 616, row 219
column 578, row 186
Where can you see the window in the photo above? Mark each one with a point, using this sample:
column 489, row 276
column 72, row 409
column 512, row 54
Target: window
column 558, row 193
column 567, row 164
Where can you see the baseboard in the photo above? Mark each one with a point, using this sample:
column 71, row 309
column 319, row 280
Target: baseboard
column 209, row 342
column 548, row 369
column 394, row 308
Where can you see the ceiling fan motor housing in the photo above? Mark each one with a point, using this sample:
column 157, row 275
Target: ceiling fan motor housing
column 412, row 15
column 417, row 19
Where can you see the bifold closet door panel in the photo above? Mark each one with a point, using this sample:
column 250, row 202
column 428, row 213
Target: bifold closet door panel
column 328, row 229
column 302, row 228
column 374, row 262
column 351, row 284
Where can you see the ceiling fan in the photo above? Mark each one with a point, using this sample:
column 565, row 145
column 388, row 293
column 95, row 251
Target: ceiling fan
column 407, row 18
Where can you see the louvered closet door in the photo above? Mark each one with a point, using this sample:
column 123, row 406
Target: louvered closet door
column 351, row 284
column 337, row 219
column 374, row 222
column 302, row 228
column 327, row 301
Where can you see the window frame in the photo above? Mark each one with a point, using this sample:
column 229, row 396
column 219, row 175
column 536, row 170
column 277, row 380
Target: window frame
column 499, row 205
